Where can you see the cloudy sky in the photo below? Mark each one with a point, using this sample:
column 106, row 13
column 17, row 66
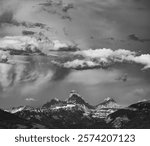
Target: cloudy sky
column 121, row 70
column 89, row 23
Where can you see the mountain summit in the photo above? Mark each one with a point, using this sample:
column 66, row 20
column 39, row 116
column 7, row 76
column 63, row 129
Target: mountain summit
column 108, row 103
column 75, row 98
column 109, row 99
column 75, row 112
column 18, row 109
column 54, row 102
column 135, row 116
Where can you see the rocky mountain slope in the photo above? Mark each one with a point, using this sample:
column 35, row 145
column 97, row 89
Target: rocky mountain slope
column 136, row 116
column 75, row 112
column 11, row 121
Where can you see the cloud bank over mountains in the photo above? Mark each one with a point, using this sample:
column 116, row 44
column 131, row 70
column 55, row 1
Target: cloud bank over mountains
column 81, row 59
column 106, row 57
column 17, row 42
column 34, row 42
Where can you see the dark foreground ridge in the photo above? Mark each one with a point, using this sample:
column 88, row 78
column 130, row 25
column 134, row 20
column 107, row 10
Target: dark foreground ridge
column 76, row 113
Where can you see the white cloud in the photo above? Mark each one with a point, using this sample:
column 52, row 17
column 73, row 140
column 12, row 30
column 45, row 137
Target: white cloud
column 143, row 59
column 18, row 42
column 80, row 64
column 106, row 57
column 58, row 44
column 25, row 43
column 90, row 58
column 30, row 99
column 36, row 41
column 96, row 53
column 105, row 54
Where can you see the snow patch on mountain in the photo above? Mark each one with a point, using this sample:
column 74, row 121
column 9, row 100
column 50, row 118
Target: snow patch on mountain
column 15, row 110
column 68, row 106
column 108, row 103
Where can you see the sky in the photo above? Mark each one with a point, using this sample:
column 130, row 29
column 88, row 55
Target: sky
column 89, row 23
column 113, row 38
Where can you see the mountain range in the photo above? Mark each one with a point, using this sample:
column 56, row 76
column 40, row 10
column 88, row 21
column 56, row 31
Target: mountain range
column 76, row 113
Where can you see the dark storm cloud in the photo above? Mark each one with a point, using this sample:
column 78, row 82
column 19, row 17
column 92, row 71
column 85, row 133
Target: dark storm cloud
column 123, row 78
column 64, row 7
column 8, row 19
column 133, row 37
column 90, row 21
column 21, row 74
column 60, row 73
column 8, row 11
column 145, row 3
column 59, row 8
column 26, row 32
column 110, row 19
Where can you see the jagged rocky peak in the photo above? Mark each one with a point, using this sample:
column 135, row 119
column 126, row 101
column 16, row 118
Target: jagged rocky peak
column 18, row 109
column 108, row 102
column 144, row 104
column 74, row 97
column 56, row 99
column 53, row 102
column 109, row 99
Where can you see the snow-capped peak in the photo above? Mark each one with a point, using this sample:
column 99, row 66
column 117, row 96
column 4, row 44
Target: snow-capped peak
column 17, row 109
column 108, row 103
column 53, row 102
column 143, row 100
column 109, row 99
column 75, row 97
column 56, row 99
column 73, row 92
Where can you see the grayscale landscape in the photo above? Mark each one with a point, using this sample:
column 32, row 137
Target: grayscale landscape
column 74, row 64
